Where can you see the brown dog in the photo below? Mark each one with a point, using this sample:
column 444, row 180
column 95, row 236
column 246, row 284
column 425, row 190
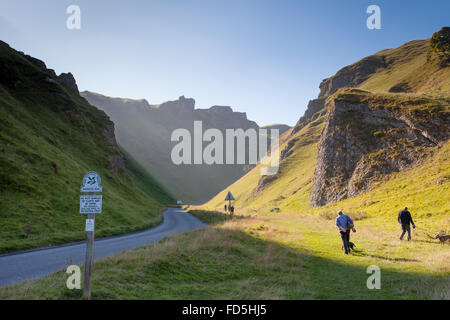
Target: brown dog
column 443, row 238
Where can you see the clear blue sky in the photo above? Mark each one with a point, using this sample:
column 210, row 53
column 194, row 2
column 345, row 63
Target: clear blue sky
column 265, row 58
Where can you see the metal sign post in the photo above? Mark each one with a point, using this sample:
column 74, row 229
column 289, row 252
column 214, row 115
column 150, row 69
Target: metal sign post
column 90, row 205
column 229, row 198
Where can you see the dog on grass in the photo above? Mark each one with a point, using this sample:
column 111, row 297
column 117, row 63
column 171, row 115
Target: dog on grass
column 443, row 238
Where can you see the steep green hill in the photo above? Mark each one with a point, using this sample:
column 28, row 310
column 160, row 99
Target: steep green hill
column 49, row 138
column 403, row 69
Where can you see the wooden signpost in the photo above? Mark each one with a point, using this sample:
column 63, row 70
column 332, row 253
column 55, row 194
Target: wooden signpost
column 91, row 205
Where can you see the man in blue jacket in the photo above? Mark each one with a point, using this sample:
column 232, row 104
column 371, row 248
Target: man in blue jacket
column 345, row 224
column 405, row 219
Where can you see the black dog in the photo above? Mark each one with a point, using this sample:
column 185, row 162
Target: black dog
column 443, row 238
column 351, row 245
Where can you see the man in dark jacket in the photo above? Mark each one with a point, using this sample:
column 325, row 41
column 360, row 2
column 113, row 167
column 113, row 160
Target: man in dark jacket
column 405, row 219
column 345, row 224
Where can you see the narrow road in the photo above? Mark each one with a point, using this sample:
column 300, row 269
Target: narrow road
column 19, row 267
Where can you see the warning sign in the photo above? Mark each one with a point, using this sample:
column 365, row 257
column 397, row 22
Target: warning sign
column 90, row 204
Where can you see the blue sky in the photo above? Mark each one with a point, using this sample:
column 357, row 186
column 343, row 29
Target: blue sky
column 266, row 58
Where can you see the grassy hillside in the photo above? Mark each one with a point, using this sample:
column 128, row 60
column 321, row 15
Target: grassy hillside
column 408, row 71
column 145, row 181
column 403, row 69
column 49, row 138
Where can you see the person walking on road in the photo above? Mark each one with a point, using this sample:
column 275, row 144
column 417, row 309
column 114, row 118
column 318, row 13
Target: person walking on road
column 345, row 224
column 405, row 219
column 231, row 211
column 225, row 208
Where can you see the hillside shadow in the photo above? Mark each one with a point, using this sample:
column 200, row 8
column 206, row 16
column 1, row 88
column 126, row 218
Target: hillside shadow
column 329, row 279
column 428, row 241
column 361, row 253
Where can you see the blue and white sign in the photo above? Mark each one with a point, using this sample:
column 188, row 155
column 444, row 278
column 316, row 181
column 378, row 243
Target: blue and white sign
column 229, row 197
column 92, row 182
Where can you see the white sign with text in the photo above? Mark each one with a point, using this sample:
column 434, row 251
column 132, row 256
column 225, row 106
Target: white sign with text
column 89, row 225
column 91, row 204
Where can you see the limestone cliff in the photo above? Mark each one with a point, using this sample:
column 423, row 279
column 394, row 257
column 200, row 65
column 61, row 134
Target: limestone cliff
column 390, row 125
column 367, row 136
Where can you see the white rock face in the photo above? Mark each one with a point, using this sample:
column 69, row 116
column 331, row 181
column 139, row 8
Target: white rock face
column 360, row 144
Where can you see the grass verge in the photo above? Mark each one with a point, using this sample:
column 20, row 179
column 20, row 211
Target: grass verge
column 280, row 256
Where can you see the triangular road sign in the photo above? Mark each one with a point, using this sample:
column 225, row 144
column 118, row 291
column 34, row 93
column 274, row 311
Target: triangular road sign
column 229, row 196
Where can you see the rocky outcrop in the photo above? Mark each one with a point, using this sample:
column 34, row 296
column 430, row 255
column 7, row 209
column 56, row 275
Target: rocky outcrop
column 352, row 75
column 363, row 141
column 68, row 81
column 116, row 161
column 288, row 149
column 314, row 110
column 222, row 117
column 36, row 62
column 282, row 128
column 110, row 136
column 179, row 107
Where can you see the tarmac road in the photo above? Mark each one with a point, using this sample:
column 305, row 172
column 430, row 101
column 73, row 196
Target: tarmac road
column 22, row 266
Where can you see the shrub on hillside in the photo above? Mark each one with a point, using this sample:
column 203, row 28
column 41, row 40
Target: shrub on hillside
column 440, row 46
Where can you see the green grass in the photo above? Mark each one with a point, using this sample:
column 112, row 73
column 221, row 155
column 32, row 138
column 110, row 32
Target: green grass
column 282, row 256
column 144, row 181
column 408, row 68
column 49, row 138
column 210, row 217
column 400, row 102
